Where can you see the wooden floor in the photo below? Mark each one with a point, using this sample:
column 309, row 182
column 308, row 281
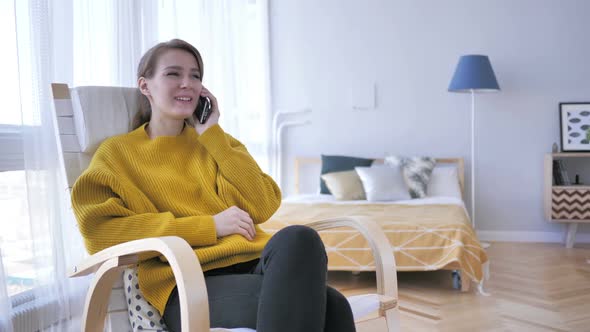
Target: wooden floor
column 533, row 287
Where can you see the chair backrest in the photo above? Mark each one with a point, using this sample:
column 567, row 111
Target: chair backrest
column 88, row 115
column 85, row 116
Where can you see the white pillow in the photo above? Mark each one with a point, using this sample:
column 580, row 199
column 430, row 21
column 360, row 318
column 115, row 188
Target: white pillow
column 444, row 181
column 383, row 183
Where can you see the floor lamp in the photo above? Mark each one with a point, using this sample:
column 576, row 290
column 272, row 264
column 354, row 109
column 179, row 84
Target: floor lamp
column 473, row 74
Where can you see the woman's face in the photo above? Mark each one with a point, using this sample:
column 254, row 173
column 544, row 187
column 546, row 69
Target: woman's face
column 175, row 87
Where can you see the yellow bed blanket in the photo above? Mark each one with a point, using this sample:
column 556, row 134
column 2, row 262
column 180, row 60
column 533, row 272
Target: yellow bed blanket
column 423, row 237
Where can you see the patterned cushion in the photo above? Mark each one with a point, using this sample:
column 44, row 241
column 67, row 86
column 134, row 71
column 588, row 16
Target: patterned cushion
column 142, row 315
column 416, row 172
column 345, row 186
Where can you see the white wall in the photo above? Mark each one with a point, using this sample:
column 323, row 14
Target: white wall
column 321, row 50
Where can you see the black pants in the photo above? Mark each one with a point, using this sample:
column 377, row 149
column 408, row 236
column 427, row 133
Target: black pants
column 285, row 290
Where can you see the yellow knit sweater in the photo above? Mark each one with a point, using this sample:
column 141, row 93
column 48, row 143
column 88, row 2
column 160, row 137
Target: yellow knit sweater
column 136, row 187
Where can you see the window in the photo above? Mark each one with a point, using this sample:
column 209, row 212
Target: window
column 15, row 238
column 15, row 241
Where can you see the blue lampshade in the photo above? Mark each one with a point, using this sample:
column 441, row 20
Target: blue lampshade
column 474, row 72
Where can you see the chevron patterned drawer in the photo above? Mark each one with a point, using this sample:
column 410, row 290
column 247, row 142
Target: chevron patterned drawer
column 570, row 204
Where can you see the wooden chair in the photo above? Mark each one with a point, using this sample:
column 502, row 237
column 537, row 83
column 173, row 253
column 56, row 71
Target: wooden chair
column 84, row 117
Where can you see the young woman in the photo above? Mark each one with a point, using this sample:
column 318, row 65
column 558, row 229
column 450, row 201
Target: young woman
column 172, row 175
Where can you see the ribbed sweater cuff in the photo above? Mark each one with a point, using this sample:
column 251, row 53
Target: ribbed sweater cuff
column 215, row 141
column 197, row 231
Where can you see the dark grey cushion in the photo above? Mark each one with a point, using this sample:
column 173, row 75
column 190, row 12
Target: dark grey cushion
column 338, row 164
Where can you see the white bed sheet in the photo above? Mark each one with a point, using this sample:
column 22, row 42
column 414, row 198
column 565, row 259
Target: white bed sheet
column 324, row 198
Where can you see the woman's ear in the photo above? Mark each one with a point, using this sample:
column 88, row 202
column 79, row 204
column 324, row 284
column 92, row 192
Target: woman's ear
column 143, row 86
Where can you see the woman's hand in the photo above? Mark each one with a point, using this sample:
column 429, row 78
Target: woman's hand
column 213, row 118
column 234, row 221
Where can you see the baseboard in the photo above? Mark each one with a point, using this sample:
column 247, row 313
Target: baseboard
column 552, row 237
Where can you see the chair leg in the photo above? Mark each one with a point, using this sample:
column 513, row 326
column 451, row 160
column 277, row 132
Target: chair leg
column 393, row 320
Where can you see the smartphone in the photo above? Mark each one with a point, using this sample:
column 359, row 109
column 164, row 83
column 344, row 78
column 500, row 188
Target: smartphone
column 203, row 110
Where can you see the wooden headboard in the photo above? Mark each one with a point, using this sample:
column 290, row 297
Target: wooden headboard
column 303, row 161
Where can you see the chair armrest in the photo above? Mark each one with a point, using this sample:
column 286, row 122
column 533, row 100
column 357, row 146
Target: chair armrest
column 382, row 253
column 194, row 309
column 128, row 252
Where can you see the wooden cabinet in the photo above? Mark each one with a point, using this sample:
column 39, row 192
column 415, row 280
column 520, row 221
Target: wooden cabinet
column 569, row 204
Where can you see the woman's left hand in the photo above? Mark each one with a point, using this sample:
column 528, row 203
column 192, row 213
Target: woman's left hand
column 213, row 118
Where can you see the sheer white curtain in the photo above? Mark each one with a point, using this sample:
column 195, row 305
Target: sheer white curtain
column 109, row 38
column 100, row 43
column 232, row 36
column 55, row 243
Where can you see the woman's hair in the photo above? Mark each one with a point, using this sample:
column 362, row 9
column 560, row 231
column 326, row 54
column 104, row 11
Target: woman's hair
column 147, row 68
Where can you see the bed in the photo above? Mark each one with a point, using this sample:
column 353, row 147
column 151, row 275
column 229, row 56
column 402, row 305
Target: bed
column 426, row 234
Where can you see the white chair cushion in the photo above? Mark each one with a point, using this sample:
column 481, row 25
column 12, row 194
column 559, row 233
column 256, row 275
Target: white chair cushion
column 363, row 305
column 101, row 112
column 141, row 313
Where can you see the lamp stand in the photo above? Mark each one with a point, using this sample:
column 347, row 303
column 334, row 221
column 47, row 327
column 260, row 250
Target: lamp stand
column 483, row 244
column 473, row 159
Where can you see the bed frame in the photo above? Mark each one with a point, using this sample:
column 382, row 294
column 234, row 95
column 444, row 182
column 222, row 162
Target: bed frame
column 301, row 162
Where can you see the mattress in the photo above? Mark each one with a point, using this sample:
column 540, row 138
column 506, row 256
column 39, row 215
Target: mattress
column 426, row 234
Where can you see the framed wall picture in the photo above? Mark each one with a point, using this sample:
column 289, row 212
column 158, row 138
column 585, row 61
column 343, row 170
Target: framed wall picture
column 574, row 120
